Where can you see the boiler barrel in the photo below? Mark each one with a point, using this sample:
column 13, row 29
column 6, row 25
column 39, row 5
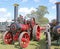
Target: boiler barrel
column 16, row 26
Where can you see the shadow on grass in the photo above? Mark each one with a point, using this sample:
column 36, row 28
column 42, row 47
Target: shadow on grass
column 33, row 43
column 55, row 43
column 1, row 42
column 17, row 46
column 56, row 48
column 41, row 44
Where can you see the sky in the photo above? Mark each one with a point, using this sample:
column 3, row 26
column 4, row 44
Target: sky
column 25, row 7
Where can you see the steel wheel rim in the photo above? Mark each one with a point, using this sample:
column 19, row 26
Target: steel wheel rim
column 8, row 38
column 25, row 40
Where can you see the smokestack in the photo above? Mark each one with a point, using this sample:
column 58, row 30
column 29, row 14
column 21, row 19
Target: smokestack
column 15, row 12
column 58, row 12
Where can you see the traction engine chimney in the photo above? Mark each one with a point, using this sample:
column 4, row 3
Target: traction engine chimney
column 15, row 12
column 58, row 12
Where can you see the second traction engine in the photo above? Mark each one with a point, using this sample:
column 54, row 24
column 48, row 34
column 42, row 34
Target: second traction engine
column 56, row 28
column 53, row 29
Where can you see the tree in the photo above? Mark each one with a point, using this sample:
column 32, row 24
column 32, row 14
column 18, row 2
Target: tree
column 41, row 11
column 43, row 20
column 39, row 14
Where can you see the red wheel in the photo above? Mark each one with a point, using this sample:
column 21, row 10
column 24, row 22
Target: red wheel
column 36, row 32
column 7, row 37
column 24, row 39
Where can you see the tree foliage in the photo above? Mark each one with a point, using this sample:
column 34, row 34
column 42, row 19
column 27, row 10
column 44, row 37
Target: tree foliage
column 41, row 11
column 39, row 15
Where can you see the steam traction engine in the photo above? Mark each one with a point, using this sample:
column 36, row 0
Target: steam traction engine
column 53, row 29
column 22, row 31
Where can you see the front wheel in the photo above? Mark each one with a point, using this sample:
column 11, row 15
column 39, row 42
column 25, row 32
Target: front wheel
column 24, row 39
column 7, row 37
column 48, row 40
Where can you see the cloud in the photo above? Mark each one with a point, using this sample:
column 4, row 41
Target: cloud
column 2, row 10
column 53, row 1
column 33, row 0
column 37, row 0
column 4, row 14
column 25, row 10
column 2, row 19
column 8, row 14
column 24, row 0
column 54, row 7
column 51, row 17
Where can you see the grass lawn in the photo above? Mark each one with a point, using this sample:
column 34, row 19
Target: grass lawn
column 33, row 44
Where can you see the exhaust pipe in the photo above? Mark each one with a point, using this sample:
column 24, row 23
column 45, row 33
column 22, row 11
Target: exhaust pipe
column 15, row 12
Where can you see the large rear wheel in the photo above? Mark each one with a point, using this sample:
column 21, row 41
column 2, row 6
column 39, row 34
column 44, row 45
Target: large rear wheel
column 24, row 39
column 36, row 32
